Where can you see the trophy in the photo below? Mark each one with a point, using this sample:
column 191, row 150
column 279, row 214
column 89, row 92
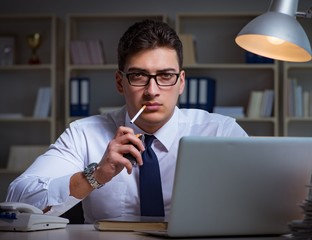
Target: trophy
column 34, row 42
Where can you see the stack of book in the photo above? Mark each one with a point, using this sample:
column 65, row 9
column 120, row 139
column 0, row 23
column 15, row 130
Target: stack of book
column 199, row 92
column 302, row 229
column 87, row 52
column 260, row 104
column 299, row 100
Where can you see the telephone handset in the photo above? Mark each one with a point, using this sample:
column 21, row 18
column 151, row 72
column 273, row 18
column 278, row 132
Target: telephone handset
column 20, row 207
column 16, row 216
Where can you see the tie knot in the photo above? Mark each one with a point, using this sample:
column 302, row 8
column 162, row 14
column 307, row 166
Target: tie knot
column 148, row 139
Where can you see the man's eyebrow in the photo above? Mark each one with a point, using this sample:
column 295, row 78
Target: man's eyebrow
column 137, row 70
column 134, row 69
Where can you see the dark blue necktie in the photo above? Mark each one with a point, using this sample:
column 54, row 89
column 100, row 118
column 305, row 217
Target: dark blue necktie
column 151, row 198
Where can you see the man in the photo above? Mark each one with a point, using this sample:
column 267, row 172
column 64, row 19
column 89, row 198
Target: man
column 150, row 73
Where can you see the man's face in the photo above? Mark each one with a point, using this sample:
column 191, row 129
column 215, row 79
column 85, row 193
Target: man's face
column 160, row 101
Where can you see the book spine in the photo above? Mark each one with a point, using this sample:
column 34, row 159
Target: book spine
column 74, row 97
column 84, row 96
column 79, row 96
column 183, row 99
column 199, row 92
column 211, row 94
column 193, row 90
column 43, row 103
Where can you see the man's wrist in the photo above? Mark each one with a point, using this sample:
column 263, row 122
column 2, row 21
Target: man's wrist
column 89, row 174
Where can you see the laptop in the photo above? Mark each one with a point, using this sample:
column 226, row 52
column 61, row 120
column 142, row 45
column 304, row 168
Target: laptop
column 238, row 186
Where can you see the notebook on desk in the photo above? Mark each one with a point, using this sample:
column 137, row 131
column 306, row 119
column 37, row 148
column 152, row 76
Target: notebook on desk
column 238, row 186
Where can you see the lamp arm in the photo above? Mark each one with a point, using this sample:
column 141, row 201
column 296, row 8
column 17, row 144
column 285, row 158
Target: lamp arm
column 306, row 14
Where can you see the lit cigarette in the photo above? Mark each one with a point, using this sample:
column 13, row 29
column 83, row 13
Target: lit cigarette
column 138, row 114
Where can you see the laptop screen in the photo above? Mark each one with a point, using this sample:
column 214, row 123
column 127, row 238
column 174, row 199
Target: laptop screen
column 239, row 186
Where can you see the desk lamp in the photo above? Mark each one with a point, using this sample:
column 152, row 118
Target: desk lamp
column 277, row 34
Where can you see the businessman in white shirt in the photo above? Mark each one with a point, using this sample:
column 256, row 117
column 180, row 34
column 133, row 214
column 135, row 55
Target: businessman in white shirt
column 87, row 162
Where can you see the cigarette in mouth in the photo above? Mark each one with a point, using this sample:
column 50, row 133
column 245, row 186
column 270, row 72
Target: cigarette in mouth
column 138, row 114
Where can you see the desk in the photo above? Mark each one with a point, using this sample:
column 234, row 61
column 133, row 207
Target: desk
column 87, row 232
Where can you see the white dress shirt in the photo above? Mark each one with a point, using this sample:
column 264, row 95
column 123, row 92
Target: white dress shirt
column 46, row 181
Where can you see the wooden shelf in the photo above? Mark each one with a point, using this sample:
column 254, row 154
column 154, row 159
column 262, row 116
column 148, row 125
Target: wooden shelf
column 218, row 57
column 86, row 27
column 21, row 82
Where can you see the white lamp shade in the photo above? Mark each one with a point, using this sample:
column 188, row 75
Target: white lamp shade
column 276, row 35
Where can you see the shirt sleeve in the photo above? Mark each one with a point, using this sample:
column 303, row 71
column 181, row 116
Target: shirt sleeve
column 46, row 181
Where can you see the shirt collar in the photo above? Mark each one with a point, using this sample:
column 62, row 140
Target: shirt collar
column 166, row 134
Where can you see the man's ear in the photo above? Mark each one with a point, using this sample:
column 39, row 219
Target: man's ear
column 182, row 82
column 118, row 79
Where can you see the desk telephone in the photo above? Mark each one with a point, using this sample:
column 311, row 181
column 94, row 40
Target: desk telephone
column 15, row 216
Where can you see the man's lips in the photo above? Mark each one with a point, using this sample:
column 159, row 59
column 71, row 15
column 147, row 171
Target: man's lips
column 152, row 106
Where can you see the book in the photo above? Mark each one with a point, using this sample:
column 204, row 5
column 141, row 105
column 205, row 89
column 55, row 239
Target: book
column 188, row 43
column 43, row 103
column 298, row 101
column 84, row 53
column 267, row 103
column 74, row 54
column 206, row 93
column 79, row 96
column 183, row 99
column 131, row 223
column 192, row 92
column 87, row 52
column 96, row 52
column 79, row 52
column 306, row 100
column 310, row 103
column 84, row 96
column 254, row 104
column 199, row 92
column 74, row 96
column 291, row 86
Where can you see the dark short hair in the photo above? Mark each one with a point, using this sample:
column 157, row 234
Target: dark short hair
column 148, row 34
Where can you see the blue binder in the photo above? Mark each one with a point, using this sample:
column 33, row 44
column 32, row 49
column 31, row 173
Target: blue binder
column 199, row 92
column 79, row 96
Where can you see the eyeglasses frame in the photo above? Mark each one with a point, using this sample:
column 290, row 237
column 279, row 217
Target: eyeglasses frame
column 150, row 76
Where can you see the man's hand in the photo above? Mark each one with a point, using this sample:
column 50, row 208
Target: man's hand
column 113, row 160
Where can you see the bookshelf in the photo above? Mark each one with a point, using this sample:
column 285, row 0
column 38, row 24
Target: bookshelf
column 298, row 124
column 218, row 57
column 297, row 110
column 106, row 28
column 21, row 81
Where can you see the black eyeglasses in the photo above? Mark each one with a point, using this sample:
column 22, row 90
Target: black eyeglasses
column 139, row 79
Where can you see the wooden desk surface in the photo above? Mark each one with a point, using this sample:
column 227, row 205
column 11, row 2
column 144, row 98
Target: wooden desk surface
column 87, row 232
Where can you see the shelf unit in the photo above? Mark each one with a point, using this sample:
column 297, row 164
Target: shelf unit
column 294, row 124
column 218, row 57
column 302, row 72
column 108, row 29
column 20, row 83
